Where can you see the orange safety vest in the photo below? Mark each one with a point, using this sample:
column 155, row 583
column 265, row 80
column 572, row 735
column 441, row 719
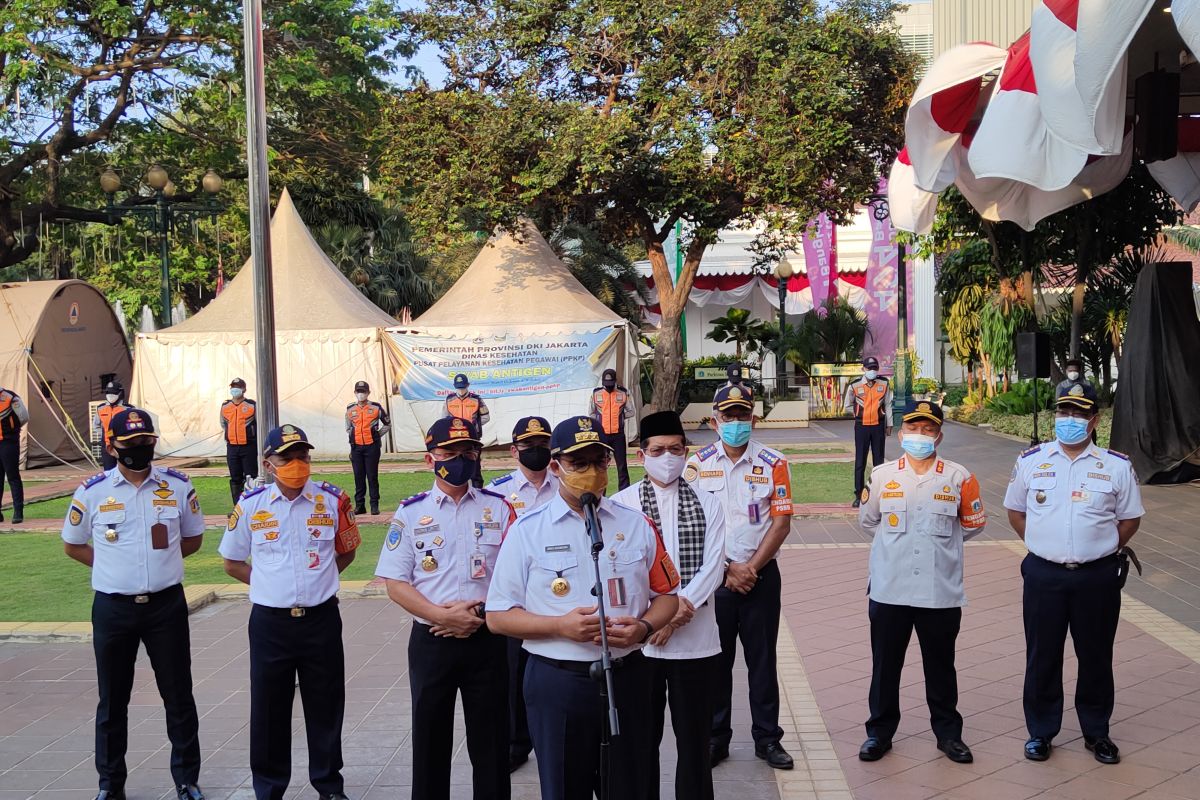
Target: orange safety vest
column 106, row 412
column 8, row 418
column 464, row 407
column 611, row 406
column 238, row 419
column 362, row 422
column 869, row 406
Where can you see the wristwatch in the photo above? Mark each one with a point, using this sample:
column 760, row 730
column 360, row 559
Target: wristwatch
column 649, row 629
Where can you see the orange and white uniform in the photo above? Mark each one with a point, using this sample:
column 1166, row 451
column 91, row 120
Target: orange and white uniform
column 870, row 402
column 919, row 524
column 611, row 409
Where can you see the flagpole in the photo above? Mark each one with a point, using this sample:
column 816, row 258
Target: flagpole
column 260, row 217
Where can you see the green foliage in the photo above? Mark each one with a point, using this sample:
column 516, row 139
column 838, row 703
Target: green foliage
column 604, row 270
column 1019, row 398
column 962, row 324
column 835, row 332
column 1021, row 425
column 692, row 390
column 736, row 326
column 955, row 395
column 925, row 385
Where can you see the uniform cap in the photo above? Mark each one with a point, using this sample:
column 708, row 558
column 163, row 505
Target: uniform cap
column 362, row 386
column 660, row 423
column 112, row 387
column 870, row 362
column 460, row 381
column 449, row 430
column 238, row 382
column 284, row 438
column 923, row 409
column 608, row 375
column 575, row 433
column 130, row 423
column 733, row 397
column 531, row 427
column 1080, row 395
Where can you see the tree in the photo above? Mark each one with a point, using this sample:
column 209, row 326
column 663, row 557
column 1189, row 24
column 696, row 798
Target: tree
column 631, row 117
column 605, row 271
column 144, row 81
column 737, row 327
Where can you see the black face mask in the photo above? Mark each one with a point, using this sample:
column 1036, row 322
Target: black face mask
column 609, row 385
column 534, row 459
column 136, row 458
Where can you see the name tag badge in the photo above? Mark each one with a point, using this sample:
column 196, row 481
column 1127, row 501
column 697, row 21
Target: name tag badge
column 478, row 566
column 314, row 557
column 1080, row 496
column 616, row 593
column 753, row 513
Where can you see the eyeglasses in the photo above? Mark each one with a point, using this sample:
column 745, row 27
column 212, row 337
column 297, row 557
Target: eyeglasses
column 583, row 465
column 523, row 446
column 1075, row 413
column 658, row 450
column 447, row 455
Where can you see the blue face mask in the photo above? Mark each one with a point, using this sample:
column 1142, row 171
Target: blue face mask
column 735, row 433
column 918, row 445
column 1070, row 430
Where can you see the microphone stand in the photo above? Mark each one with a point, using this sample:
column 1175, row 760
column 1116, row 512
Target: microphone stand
column 602, row 671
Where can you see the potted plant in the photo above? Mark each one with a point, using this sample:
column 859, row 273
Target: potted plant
column 927, row 389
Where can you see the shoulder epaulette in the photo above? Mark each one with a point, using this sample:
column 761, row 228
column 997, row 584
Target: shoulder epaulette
column 92, row 481
column 350, row 406
column 336, row 491
column 414, row 498
column 225, row 403
column 490, row 493
column 174, row 473
column 769, row 457
column 252, row 492
column 501, row 479
column 707, row 452
column 1121, row 456
column 1031, row 451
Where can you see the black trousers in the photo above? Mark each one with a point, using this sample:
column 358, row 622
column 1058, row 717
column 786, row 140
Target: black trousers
column 566, row 717
column 282, row 648
column 1087, row 602
column 439, row 669
column 754, row 619
column 119, row 625
column 620, row 456
column 365, row 460
column 10, row 468
column 519, row 742
column 866, row 437
column 937, row 630
column 687, row 685
column 242, row 460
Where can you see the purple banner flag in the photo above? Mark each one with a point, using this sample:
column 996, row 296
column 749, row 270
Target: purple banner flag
column 881, row 304
column 820, row 259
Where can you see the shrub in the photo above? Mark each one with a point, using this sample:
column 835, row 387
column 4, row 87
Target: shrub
column 1019, row 399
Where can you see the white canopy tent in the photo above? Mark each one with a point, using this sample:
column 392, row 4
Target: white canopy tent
column 530, row 337
column 328, row 335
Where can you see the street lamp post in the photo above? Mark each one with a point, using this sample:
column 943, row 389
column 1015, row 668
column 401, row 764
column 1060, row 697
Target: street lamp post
column 902, row 367
column 162, row 217
column 783, row 271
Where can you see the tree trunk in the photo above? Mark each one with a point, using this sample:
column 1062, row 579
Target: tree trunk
column 668, row 350
column 1077, row 311
column 1026, row 287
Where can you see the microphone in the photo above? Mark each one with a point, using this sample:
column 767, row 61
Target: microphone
column 590, row 502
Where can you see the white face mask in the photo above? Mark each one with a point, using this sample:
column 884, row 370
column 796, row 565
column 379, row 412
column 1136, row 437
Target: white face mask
column 870, row 374
column 112, row 398
column 235, row 393
column 360, row 397
column 665, row 468
column 1073, row 375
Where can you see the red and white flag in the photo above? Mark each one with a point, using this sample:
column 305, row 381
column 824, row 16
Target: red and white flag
column 943, row 107
column 1180, row 176
column 1186, row 14
column 912, row 208
column 1078, row 52
column 1013, row 140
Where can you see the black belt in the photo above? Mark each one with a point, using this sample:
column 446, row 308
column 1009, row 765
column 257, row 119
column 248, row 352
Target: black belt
column 297, row 611
column 1074, row 565
column 143, row 599
column 585, row 667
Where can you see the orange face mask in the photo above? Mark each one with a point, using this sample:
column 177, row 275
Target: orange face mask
column 293, row 474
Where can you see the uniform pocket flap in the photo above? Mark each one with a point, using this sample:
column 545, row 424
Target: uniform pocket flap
column 557, row 562
column 893, row 504
column 106, row 518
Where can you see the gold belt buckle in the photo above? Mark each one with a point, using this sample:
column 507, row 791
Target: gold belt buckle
column 298, row 612
column 141, row 599
column 1072, row 565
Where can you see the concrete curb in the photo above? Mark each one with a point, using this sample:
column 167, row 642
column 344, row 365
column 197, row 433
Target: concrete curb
column 197, row 596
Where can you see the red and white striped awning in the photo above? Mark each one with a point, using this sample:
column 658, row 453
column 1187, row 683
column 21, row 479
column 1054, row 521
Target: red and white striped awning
column 1047, row 125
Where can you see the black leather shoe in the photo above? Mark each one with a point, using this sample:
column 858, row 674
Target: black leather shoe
column 856, row 503
column 516, row 759
column 110, row 794
column 375, row 510
column 775, row 756
column 334, row 796
column 360, row 510
column 18, row 515
column 717, row 754
column 956, row 750
column 189, row 791
column 1038, row 748
column 873, row 749
column 1106, row 752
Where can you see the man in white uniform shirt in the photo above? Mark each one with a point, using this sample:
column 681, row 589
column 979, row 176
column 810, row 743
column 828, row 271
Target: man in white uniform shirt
column 684, row 653
column 527, row 487
column 1076, row 506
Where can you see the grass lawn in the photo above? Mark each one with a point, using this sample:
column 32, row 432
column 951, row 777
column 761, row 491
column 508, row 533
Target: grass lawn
column 43, row 584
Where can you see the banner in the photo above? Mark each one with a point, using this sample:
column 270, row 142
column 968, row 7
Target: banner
column 820, row 258
column 499, row 366
column 882, row 289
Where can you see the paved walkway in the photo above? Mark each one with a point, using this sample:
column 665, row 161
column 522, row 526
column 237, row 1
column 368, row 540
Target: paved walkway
column 48, row 690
